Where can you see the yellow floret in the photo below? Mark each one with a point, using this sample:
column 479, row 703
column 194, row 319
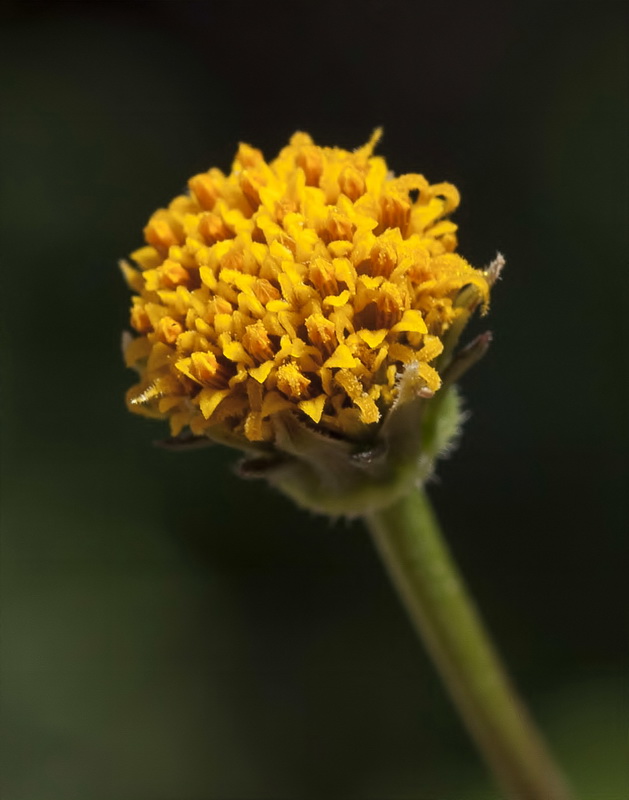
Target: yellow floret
column 305, row 284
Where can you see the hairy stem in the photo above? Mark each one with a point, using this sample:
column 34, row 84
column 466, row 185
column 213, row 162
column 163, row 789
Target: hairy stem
column 411, row 545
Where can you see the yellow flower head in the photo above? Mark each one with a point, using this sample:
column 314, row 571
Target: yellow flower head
column 303, row 287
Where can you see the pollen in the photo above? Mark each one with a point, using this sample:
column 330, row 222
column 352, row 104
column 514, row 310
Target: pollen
column 306, row 284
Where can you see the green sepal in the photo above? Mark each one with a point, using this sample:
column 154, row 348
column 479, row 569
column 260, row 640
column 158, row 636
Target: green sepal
column 335, row 476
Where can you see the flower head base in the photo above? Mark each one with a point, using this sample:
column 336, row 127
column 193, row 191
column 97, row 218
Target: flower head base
column 288, row 298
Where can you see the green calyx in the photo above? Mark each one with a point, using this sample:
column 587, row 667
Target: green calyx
column 339, row 477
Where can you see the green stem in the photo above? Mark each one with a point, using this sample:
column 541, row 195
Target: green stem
column 410, row 543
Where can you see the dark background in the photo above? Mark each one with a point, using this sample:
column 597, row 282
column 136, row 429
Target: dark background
column 169, row 632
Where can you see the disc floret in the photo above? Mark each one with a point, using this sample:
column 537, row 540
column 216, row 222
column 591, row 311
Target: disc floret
column 305, row 285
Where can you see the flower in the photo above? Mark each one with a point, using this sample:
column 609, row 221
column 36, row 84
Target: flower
column 297, row 292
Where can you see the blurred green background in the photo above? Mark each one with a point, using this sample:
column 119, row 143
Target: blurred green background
column 170, row 632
